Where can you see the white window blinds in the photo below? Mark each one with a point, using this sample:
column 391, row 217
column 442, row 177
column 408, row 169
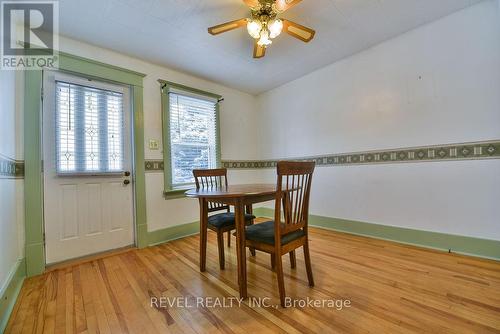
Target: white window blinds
column 193, row 136
column 89, row 129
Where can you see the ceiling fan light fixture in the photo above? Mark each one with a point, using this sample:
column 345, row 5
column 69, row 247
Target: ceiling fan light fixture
column 264, row 38
column 254, row 28
column 275, row 28
column 263, row 24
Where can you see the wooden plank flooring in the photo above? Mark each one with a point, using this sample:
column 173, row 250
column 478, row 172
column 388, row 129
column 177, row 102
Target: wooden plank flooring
column 392, row 288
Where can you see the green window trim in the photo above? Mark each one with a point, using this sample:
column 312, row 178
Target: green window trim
column 169, row 191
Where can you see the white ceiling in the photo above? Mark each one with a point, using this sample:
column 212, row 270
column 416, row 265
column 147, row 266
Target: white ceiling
column 173, row 33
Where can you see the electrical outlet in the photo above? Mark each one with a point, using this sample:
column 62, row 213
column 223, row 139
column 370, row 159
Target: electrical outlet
column 153, row 144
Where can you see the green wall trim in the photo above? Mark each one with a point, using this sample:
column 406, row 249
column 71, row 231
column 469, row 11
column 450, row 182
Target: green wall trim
column 97, row 69
column 142, row 236
column 139, row 169
column 100, row 70
column 173, row 233
column 218, row 145
column 189, row 89
column 484, row 248
column 33, row 181
column 33, row 194
column 175, row 194
column 35, row 258
column 9, row 296
column 167, row 161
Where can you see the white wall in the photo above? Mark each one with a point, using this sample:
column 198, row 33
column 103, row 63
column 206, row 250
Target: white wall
column 238, row 123
column 10, row 202
column 436, row 84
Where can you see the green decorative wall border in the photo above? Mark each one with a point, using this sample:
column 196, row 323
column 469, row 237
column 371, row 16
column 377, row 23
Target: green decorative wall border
column 33, row 194
column 484, row 248
column 417, row 154
column 448, row 152
column 154, row 165
column 11, row 168
column 9, row 296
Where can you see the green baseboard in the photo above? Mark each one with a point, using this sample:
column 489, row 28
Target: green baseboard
column 484, row 248
column 9, row 296
column 173, row 233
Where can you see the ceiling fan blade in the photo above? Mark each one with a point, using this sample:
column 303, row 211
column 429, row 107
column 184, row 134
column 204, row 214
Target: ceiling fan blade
column 283, row 5
column 258, row 51
column 219, row 29
column 305, row 34
column 252, row 3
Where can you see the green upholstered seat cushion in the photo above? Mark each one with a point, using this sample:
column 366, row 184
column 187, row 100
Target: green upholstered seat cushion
column 225, row 219
column 264, row 232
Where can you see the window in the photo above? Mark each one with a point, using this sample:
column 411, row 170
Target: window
column 192, row 134
column 89, row 129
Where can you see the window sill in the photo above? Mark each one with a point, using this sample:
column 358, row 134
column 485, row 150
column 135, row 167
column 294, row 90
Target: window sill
column 176, row 193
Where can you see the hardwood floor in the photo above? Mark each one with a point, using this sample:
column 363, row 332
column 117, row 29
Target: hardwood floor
column 392, row 288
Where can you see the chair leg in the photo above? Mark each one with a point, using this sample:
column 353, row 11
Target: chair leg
column 252, row 249
column 249, row 210
column 273, row 261
column 203, row 235
column 307, row 259
column 293, row 261
column 281, row 280
column 220, row 244
column 228, row 238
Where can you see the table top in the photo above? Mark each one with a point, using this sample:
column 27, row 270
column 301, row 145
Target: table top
column 237, row 190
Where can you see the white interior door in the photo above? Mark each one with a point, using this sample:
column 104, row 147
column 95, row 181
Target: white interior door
column 88, row 192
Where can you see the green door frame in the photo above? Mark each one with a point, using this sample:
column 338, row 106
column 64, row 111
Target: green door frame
column 33, row 182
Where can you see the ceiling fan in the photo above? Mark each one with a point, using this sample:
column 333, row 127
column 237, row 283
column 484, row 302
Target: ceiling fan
column 264, row 25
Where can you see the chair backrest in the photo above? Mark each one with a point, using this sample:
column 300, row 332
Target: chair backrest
column 211, row 179
column 292, row 196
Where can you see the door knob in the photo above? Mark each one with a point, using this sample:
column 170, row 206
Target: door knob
column 127, row 173
column 125, row 182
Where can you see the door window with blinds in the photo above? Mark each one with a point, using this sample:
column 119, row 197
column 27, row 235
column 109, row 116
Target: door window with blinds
column 89, row 129
column 193, row 139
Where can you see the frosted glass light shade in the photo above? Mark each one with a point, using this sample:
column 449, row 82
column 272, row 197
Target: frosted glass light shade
column 254, row 27
column 275, row 28
column 264, row 38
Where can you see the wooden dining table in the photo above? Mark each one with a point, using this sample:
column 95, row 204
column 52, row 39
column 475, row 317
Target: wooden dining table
column 239, row 196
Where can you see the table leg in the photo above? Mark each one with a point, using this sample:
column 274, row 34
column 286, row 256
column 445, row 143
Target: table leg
column 203, row 233
column 239, row 212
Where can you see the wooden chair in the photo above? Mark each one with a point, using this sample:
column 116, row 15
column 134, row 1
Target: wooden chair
column 292, row 198
column 221, row 222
